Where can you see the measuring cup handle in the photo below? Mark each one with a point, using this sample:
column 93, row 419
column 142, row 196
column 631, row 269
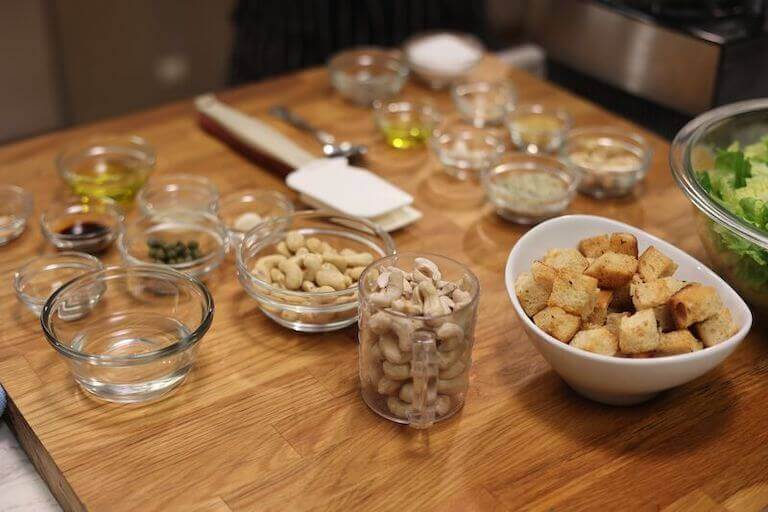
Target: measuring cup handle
column 424, row 373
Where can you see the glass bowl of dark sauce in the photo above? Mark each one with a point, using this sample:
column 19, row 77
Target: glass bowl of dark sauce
column 86, row 226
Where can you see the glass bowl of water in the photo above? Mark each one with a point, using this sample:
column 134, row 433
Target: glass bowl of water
column 15, row 208
column 464, row 150
column 137, row 339
column 482, row 102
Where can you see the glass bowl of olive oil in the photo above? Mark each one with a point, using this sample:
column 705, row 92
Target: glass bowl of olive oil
column 405, row 124
column 111, row 167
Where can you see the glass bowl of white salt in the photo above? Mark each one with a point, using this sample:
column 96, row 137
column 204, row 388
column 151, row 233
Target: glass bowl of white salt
column 441, row 58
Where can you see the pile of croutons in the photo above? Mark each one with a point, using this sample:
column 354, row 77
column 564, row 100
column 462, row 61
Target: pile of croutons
column 603, row 298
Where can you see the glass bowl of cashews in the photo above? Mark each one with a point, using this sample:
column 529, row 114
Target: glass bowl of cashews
column 417, row 323
column 303, row 268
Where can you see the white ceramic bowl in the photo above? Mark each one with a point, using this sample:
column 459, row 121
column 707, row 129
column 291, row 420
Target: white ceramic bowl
column 614, row 380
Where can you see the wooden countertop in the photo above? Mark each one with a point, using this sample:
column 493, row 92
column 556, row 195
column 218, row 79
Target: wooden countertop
column 272, row 420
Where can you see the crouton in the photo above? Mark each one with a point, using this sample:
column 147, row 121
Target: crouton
column 612, row 270
column 638, row 333
column 664, row 318
column 612, row 322
column 694, row 303
column 622, row 299
column 532, row 296
column 557, row 323
column 565, row 259
column 599, row 314
column 678, row 342
column 543, row 274
column 599, row 341
column 575, row 293
column 654, row 265
column 655, row 293
column 595, row 246
column 716, row 329
column 624, row 243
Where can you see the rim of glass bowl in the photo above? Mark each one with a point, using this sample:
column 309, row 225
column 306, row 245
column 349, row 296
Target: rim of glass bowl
column 683, row 172
column 118, row 270
column 562, row 114
column 112, row 210
column 23, row 272
column 517, row 162
column 278, row 225
column 221, row 229
column 340, row 60
column 235, row 197
column 475, row 296
column 610, row 132
column 27, row 204
column 381, row 109
column 167, row 179
column 461, row 87
column 452, row 130
column 85, row 146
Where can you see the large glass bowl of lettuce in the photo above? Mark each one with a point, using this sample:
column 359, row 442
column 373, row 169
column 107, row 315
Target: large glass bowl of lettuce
column 720, row 160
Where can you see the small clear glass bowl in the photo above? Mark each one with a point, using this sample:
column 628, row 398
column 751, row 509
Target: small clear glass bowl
column 16, row 206
column 309, row 311
column 608, row 161
column 432, row 72
column 528, row 189
column 366, row 74
column 39, row 278
column 465, row 151
column 178, row 191
column 243, row 210
column 109, row 168
column 139, row 339
column 61, row 222
column 177, row 226
column 484, row 103
column 536, row 128
column 405, row 124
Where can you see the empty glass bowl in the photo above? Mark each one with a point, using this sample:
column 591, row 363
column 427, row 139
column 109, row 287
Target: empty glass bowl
column 466, row 150
column 483, row 103
column 537, row 128
column 364, row 75
column 39, row 278
column 191, row 242
column 299, row 310
column 110, row 167
column 15, row 208
column 74, row 225
column 527, row 188
column 244, row 210
column 178, row 191
column 405, row 124
column 139, row 340
column 608, row 161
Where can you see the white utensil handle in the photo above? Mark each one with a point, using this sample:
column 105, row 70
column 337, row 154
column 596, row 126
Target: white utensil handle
column 253, row 132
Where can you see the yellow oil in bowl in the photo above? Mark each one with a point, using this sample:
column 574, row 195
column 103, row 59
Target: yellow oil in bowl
column 405, row 135
column 112, row 169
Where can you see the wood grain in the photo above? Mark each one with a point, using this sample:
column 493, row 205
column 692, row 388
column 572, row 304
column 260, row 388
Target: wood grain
column 272, row 420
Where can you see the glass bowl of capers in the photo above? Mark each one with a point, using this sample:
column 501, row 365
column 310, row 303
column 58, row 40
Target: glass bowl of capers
column 191, row 242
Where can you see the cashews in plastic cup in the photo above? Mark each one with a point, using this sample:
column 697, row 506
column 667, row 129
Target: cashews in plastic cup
column 416, row 332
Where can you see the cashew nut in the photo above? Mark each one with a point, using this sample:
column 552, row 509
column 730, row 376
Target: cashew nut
column 450, row 336
column 330, row 276
column 354, row 273
column 443, row 405
column 461, row 298
column 398, row 407
column 293, row 274
column 406, row 393
column 276, row 276
column 358, row 259
column 432, row 304
column 294, row 240
column 314, row 244
column 311, row 263
column 393, row 290
column 335, row 259
column 387, row 386
column 282, row 248
column 267, row 263
column 391, row 351
column 308, row 286
column 453, row 371
column 380, row 323
column 397, row 371
column 446, row 359
column 427, row 268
